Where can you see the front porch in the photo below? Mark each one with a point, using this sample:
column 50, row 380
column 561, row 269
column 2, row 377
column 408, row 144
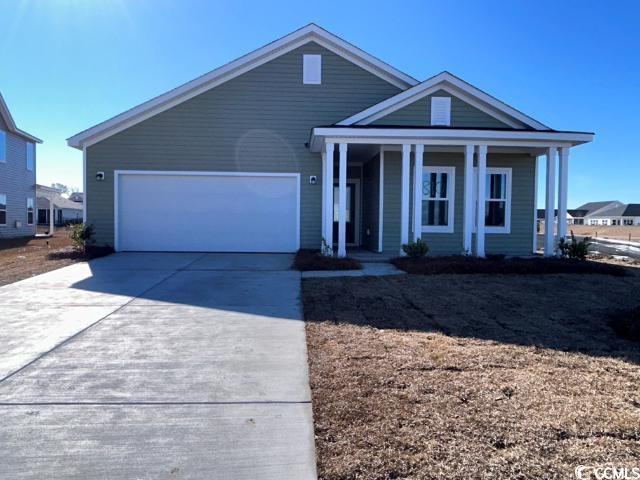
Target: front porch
column 382, row 195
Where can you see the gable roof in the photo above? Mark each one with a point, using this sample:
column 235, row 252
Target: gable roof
column 309, row 33
column 612, row 211
column 632, row 210
column 595, row 207
column 455, row 86
column 11, row 124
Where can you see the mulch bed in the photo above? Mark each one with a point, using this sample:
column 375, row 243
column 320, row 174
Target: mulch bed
column 458, row 264
column 627, row 323
column 471, row 376
column 309, row 260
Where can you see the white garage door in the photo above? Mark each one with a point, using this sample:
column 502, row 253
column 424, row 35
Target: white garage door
column 207, row 212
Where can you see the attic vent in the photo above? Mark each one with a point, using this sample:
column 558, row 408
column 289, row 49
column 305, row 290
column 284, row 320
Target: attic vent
column 441, row 111
column 312, row 69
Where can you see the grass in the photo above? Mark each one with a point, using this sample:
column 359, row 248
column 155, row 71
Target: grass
column 308, row 260
column 458, row 264
column 471, row 376
column 627, row 324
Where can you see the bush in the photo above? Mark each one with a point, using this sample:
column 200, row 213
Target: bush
column 82, row 236
column 415, row 249
column 574, row 248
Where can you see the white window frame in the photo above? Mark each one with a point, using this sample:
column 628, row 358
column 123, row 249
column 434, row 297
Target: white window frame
column 451, row 198
column 5, row 209
column 3, row 146
column 446, row 104
column 507, row 220
column 33, row 210
column 30, row 150
column 312, row 65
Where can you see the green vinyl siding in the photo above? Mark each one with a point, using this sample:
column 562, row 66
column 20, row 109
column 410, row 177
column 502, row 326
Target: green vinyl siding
column 257, row 122
column 517, row 242
column 418, row 113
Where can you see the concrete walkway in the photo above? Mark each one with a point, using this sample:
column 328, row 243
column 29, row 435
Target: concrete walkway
column 146, row 366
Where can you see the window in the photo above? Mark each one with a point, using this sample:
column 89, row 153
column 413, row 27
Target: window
column 312, row 69
column 593, row 222
column 3, row 146
column 29, row 211
column 605, row 222
column 628, row 221
column 438, row 190
column 441, row 111
column 3, row 209
column 497, row 207
column 31, row 154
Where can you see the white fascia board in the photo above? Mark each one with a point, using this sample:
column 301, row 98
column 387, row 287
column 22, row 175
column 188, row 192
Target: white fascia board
column 445, row 137
column 11, row 124
column 310, row 33
column 461, row 89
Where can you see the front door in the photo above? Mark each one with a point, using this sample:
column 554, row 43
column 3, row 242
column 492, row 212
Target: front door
column 350, row 217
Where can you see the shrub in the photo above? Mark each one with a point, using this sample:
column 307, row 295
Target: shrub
column 82, row 236
column 415, row 249
column 574, row 248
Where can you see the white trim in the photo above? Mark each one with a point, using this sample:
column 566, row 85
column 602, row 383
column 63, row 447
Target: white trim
column 451, row 199
column 5, row 114
column 467, row 228
column 481, row 152
column 508, row 171
column 357, row 213
column 404, row 196
column 447, row 137
column 116, row 181
column 27, row 146
column 418, row 173
column 536, row 181
column 33, row 210
column 309, row 33
column 342, row 199
column 549, row 240
column 563, row 186
column 324, row 197
column 417, row 92
column 84, row 185
column 381, row 203
column 328, row 185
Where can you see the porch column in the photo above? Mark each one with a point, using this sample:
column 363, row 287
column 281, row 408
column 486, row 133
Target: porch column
column 481, row 189
column 327, row 208
column 563, row 184
column 404, row 196
column 418, row 162
column 342, row 202
column 549, row 246
column 51, row 217
column 468, row 199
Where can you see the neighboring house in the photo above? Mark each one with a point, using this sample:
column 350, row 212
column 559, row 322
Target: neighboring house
column 65, row 211
column 236, row 160
column 17, row 178
column 76, row 197
column 599, row 213
column 631, row 214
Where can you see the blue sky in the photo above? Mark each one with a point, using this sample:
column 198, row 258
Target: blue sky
column 66, row 65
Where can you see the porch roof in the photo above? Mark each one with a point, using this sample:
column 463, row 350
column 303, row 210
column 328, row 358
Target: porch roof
column 444, row 136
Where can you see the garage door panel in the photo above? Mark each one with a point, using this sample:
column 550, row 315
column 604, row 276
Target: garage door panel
column 208, row 212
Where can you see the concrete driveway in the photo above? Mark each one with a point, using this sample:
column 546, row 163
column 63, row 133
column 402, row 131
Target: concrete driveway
column 156, row 366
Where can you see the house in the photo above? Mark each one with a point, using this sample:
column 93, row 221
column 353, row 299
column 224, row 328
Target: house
column 76, row 197
column 631, row 214
column 237, row 160
column 599, row 213
column 17, row 177
column 65, row 211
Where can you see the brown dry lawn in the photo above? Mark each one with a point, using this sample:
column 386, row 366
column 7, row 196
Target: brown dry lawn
column 615, row 232
column 471, row 376
column 22, row 258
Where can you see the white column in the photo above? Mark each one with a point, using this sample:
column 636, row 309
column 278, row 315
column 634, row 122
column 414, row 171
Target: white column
column 549, row 246
column 381, row 203
column 417, row 191
column 563, row 185
column 323, row 228
column 404, row 196
column 481, row 189
column 468, row 198
column 342, row 202
column 328, row 196
column 51, row 217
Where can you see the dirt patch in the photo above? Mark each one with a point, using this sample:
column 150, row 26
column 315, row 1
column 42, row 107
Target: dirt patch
column 629, row 233
column 459, row 264
column 22, row 258
column 309, row 260
column 471, row 376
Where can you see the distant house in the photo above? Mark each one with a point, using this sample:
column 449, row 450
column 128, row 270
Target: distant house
column 631, row 214
column 77, row 197
column 17, row 177
column 64, row 210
